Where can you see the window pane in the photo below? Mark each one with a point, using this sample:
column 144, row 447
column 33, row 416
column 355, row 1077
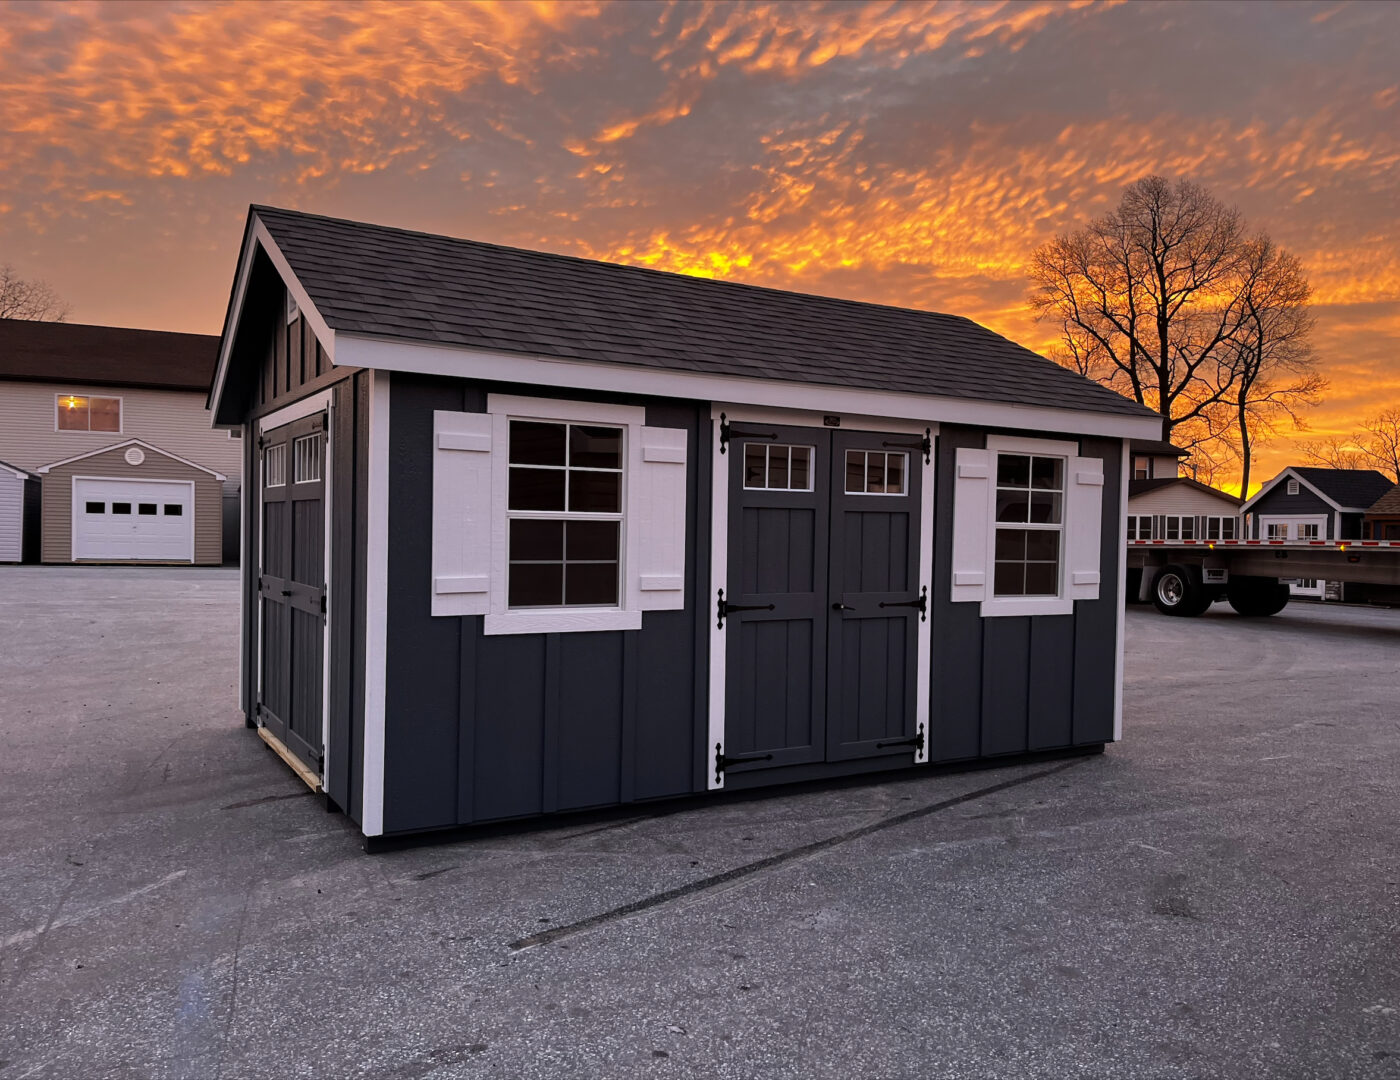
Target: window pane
column 778, row 467
column 595, row 447
column 275, row 465
column 174, row 510
column 1013, row 506
column 855, row 472
column 592, row 540
column 591, row 583
column 755, row 465
column 1042, row 545
column 801, row 468
column 146, row 509
column 1013, row 470
column 533, row 443
column 95, row 508
column 536, row 489
column 72, row 414
column 894, row 474
column 105, row 414
column 1227, row 529
column 1188, row 528
column 121, row 508
column 1040, row 579
column 1047, row 473
column 875, row 472
column 1011, row 544
column 1045, row 507
column 537, row 541
column 536, row 585
column 594, row 492
column 1010, row 579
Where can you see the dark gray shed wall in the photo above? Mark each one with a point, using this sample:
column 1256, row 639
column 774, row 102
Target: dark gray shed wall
column 1279, row 502
column 481, row 728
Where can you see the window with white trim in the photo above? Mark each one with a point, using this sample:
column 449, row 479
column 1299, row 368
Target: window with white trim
column 1278, row 530
column 1180, row 527
column 275, row 465
column 1142, row 467
column 79, row 412
column 1029, row 523
column 1307, row 530
column 876, row 472
column 552, row 516
column 1139, row 526
column 1221, row 528
column 778, row 468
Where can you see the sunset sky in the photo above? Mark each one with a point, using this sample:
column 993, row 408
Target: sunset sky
column 910, row 154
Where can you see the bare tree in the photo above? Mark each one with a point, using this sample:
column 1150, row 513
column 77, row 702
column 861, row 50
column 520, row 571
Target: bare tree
column 1273, row 376
column 24, row 299
column 1375, row 446
column 1144, row 299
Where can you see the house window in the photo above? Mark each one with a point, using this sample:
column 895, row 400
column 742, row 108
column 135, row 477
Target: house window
column 564, row 514
column 778, row 468
column 1029, row 525
column 1293, row 487
column 1139, row 526
column 1221, row 528
column 1278, row 531
column 1307, row 531
column 875, row 472
column 275, row 465
column 78, row 413
column 1142, row 467
column 1180, row 527
column 306, row 459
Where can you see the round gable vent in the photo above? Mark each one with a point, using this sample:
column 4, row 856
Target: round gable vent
column 135, row 455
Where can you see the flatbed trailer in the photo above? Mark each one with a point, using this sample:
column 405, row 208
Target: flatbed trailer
column 1185, row 577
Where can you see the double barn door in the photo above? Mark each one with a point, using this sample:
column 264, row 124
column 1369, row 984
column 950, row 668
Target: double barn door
column 292, row 586
column 821, row 625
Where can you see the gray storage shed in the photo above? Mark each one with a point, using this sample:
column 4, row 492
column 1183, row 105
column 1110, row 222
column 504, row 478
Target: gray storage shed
column 531, row 534
column 19, row 514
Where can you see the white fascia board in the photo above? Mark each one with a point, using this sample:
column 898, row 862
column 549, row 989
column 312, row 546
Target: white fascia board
column 1289, row 474
column 258, row 236
column 387, row 354
column 132, row 442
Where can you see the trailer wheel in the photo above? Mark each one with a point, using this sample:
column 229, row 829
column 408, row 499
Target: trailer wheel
column 1258, row 597
column 1176, row 591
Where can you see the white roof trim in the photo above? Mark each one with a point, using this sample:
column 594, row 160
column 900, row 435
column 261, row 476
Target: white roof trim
column 258, row 236
column 1288, row 473
column 131, row 442
column 388, row 354
column 16, row 471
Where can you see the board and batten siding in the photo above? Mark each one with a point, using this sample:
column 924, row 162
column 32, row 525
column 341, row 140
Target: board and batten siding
column 1278, row 503
column 11, row 516
column 1182, row 499
column 57, row 545
column 174, row 420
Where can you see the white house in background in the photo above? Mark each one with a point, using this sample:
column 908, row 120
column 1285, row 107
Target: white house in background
column 1163, row 505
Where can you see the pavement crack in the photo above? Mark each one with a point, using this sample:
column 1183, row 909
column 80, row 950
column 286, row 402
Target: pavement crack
column 738, row 873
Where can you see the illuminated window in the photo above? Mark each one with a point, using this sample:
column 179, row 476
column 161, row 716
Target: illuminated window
column 82, row 413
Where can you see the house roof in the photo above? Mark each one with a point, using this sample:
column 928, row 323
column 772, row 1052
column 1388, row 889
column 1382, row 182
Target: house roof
column 1142, row 487
column 1352, row 488
column 43, row 469
column 419, row 287
column 1389, row 503
column 23, row 474
column 1159, row 448
column 105, row 355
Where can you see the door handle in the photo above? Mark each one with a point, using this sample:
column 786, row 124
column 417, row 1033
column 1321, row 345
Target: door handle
column 841, row 607
column 286, row 592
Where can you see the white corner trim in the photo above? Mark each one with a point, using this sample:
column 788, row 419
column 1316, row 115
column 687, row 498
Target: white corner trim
column 362, row 350
column 924, row 677
column 1120, row 625
column 307, row 406
column 376, row 606
column 719, row 568
column 131, row 442
column 328, row 570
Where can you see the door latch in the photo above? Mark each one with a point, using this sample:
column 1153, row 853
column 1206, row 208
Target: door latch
column 921, row 603
column 723, row 609
column 723, row 762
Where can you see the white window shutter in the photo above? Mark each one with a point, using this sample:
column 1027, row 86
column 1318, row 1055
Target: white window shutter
column 1084, row 527
column 461, row 581
column 972, row 524
column 658, row 508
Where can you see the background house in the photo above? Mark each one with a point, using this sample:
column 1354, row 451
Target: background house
column 113, row 420
column 1383, row 518
column 1163, row 505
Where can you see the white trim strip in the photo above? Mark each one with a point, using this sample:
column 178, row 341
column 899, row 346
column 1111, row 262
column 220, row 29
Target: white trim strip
column 307, row 406
column 455, row 362
column 131, row 442
column 376, row 606
column 924, row 677
column 1125, row 471
column 719, row 567
column 327, row 527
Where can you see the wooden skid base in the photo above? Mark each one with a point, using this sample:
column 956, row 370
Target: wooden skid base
column 309, row 778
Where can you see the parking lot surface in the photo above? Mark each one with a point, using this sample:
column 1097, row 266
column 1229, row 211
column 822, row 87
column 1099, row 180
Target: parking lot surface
column 1216, row 896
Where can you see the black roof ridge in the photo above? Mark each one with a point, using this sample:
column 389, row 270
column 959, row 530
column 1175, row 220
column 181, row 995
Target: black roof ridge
column 673, row 275
column 108, row 326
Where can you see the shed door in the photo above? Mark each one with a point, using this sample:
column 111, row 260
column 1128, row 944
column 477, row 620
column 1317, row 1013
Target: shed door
column 292, row 585
column 821, row 627
column 133, row 519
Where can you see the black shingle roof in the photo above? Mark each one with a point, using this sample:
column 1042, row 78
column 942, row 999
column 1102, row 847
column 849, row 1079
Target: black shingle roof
column 417, row 286
column 1159, row 448
column 1356, row 488
column 1389, row 503
column 106, row 355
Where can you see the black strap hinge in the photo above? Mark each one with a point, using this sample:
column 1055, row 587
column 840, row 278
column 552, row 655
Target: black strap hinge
column 921, row 603
column 916, row 741
column 723, row 608
column 924, row 445
column 723, row 762
column 726, row 432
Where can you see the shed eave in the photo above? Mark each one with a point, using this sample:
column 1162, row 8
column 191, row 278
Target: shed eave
column 426, row 358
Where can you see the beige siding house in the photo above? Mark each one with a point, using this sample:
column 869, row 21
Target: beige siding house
column 115, row 418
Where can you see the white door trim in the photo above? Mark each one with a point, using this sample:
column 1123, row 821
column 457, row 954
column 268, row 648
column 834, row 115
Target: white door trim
column 376, row 605
column 719, row 569
column 73, row 509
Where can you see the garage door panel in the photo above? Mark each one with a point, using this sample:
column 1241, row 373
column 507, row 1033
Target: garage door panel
column 116, row 520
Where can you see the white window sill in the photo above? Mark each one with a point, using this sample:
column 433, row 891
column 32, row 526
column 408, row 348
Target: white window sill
column 1027, row 605
column 561, row 621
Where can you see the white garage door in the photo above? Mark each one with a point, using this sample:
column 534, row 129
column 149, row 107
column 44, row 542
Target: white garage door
column 133, row 519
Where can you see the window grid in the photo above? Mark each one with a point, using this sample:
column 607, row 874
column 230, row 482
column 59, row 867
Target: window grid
column 876, row 472
column 1029, row 525
column 306, row 459
column 1139, row 526
column 778, row 467
column 1221, row 528
column 275, row 466
column 78, row 412
column 1277, row 531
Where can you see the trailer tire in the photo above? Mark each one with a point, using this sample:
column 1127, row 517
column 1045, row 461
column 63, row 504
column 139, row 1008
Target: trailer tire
column 1178, row 591
column 1258, row 597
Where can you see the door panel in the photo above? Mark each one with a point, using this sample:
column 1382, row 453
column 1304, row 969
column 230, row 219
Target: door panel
column 292, row 586
column 133, row 519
